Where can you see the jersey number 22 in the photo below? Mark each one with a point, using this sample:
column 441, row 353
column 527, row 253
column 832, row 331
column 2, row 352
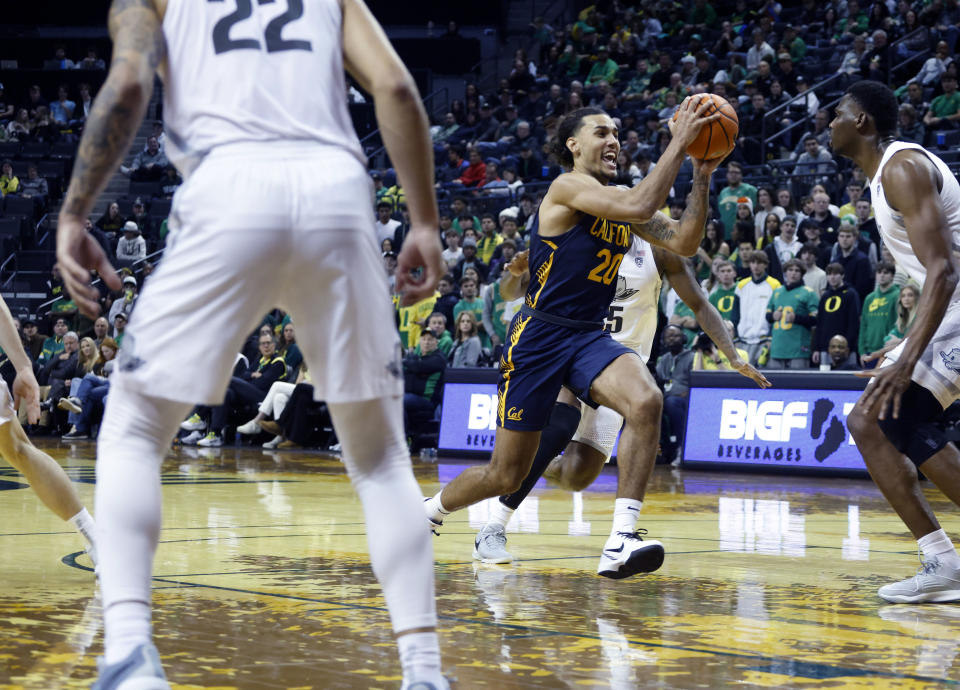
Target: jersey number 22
column 222, row 43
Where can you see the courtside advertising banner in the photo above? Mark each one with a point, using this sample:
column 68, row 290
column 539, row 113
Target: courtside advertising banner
column 790, row 428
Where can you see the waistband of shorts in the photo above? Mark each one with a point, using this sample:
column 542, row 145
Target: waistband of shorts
column 281, row 148
column 576, row 325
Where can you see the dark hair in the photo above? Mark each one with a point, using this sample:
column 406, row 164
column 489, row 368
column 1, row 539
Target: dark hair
column 794, row 263
column 569, row 126
column 879, row 102
column 835, row 268
column 809, row 248
column 886, row 267
column 490, row 216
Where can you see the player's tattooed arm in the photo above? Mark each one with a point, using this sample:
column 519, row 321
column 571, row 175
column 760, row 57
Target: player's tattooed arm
column 681, row 236
column 138, row 49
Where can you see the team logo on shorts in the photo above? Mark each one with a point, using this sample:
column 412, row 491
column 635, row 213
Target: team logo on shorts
column 952, row 361
column 515, row 415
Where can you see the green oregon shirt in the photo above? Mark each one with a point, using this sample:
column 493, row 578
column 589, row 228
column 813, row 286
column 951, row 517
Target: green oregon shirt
column 878, row 317
column 791, row 340
column 727, row 303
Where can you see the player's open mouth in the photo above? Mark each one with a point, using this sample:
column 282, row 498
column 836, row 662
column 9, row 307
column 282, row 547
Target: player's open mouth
column 610, row 157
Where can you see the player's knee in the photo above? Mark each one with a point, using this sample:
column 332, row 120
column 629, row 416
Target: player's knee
column 859, row 426
column 507, row 479
column 644, row 405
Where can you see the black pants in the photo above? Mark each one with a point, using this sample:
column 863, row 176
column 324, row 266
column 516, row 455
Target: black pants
column 240, row 394
column 305, row 421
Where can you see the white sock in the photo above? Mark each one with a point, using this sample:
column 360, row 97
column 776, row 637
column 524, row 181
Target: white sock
column 134, row 437
column 420, row 656
column 625, row 514
column 126, row 626
column 501, row 514
column 83, row 523
column 938, row 545
column 435, row 509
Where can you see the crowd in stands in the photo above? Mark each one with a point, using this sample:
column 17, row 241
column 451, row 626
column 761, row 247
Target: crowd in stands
column 791, row 256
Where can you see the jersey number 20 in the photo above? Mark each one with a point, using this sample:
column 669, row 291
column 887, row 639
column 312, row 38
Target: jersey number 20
column 607, row 269
column 222, row 43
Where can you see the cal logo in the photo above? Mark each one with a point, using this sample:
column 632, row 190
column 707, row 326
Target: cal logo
column 515, row 415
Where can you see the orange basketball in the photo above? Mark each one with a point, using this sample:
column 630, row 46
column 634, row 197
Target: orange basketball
column 717, row 139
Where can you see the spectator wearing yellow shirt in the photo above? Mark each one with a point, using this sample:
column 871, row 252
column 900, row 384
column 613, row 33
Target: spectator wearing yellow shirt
column 489, row 238
column 412, row 319
column 9, row 183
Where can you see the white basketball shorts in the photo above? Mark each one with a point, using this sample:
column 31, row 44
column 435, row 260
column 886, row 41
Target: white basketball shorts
column 7, row 412
column 253, row 228
column 938, row 369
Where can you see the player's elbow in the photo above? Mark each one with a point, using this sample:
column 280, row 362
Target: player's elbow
column 687, row 246
column 397, row 86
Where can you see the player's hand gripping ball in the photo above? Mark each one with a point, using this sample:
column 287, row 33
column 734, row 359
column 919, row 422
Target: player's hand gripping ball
column 716, row 139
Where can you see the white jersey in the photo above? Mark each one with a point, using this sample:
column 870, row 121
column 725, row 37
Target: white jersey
column 890, row 222
column 633, row 312
column 254, row 72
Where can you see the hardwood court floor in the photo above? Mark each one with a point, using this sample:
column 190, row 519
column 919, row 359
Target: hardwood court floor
column 262, row 581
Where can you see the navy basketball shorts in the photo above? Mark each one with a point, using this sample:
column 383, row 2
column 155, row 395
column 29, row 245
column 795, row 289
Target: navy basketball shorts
column 538, row 359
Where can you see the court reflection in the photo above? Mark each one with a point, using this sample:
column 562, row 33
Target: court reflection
column 761, row 526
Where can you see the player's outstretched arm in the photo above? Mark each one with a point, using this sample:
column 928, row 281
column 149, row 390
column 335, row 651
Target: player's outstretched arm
column 138, row 49
column 911, row 183
column 373, row 62
column 25, row 388
column 639, row 204
column 682, row 279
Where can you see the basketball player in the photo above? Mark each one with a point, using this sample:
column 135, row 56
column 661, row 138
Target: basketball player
column 916, row 202
column 43, row 473
column 579, row 237
column 275, row 185
column 632, row 321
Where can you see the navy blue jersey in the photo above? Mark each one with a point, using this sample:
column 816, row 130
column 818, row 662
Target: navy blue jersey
column 574, row 275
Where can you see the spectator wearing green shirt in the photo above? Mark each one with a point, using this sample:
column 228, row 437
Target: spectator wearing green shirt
column 727, row 198
column 793, row 312
column 795, row 45
column 604, row 69
column 53, row 345
column 725, row 297
column 703, row 16
column 437, row 324
column 944, row 109
column 470, row 301
column 879, row 313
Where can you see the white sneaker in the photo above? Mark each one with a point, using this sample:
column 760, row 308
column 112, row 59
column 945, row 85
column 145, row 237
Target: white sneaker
column 141, row 670
column 489, row 546
column 193, row 423
column 192, row 438
column 250, row 428
column 933, row 583
column 270, row 445
column 626, row 554
column 211, row 440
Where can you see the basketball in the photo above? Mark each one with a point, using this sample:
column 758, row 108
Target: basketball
column 718, row 138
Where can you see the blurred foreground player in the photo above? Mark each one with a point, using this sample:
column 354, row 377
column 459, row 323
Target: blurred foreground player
column 274, row 211
column 579, row 237
column 45, row 476
column 916, row 202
